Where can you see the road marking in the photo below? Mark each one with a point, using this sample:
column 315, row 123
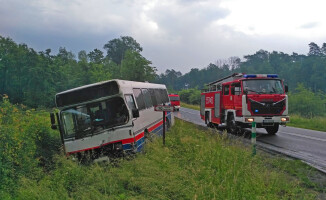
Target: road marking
column 304, row 136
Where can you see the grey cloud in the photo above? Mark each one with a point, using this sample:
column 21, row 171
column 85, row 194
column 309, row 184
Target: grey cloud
column 309, row 25
column 187, row 18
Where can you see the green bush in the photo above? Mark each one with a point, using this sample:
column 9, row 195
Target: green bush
column 306, row 103
column 26, row 142
column 190, row 96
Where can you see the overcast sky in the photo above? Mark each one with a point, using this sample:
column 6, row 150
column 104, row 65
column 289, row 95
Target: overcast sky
column 174, row 34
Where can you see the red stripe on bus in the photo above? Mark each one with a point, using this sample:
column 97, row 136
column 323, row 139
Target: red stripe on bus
column 140, row 135
column 155, row 126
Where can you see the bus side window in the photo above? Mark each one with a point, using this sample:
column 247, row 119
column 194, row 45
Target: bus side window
column 147, row 98
column 165, row 96
column 139, row 99
column 158, row 96
column 130, row 101
column 152, row 93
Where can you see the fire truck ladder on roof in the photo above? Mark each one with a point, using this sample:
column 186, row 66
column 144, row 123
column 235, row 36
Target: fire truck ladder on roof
column 232, row 77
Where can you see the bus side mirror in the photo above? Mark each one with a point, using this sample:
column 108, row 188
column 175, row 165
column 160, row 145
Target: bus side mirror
column 286, row 88
column 53, row 125
column 135, row 113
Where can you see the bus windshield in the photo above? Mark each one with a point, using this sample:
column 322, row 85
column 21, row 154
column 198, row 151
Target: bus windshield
column 84, row 120
column 263, row 86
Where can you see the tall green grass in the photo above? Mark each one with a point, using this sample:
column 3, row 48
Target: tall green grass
column 315, row 123
column 190, row 106
column 194, row 164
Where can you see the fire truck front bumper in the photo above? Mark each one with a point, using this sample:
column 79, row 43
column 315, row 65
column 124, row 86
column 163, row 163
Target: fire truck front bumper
column 176, row 107
column 264, row 120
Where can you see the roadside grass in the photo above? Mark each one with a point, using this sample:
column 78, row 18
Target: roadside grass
column 194, row 164
column 315, row 123
column 190, row 106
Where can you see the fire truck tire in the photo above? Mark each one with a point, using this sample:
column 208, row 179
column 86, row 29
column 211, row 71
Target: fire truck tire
column 207, row 122
column 272, row 130
column 231, row 125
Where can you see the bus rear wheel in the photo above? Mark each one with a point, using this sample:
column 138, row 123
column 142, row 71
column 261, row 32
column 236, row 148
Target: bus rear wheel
column 272, row 130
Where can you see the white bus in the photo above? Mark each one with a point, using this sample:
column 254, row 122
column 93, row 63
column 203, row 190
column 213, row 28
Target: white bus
column 109, row 117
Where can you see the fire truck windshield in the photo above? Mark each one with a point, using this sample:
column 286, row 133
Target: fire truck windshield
column 263, row 86
column 88, row 119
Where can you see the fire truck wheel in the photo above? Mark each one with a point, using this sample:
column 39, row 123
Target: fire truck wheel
column 207, row 122
column 231, row 125
column 272, row 130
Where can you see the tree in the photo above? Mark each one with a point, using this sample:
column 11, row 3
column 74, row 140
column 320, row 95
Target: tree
column 96, row 56
column 323, row 49
column 99, row 73
column 314, row 50
column 82, row 56
column 117, row 48
column 137, row 68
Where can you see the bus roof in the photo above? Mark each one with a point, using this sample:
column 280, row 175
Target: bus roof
column 100, row 90
column 121, row 83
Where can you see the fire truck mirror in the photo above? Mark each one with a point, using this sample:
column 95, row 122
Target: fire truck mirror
column 245, row 91
column 286, row 88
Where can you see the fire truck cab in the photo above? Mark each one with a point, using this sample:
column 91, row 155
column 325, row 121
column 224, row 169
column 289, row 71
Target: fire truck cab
column 238, row 100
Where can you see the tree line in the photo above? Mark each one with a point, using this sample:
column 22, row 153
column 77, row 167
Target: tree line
column 310, row 69
column 33, row 78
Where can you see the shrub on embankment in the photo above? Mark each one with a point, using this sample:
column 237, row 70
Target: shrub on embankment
column 27, row 145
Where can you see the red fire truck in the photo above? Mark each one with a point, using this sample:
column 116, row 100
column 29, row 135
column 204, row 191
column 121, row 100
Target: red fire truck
column 238, row 100
column 175, row 101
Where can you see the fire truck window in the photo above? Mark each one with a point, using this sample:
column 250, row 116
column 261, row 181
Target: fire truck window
column 236, row 89
column 218, row 87
column 226, row 90
column 213, row 88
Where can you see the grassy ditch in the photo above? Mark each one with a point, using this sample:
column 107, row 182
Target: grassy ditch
column 315, row 123
column 194, row 164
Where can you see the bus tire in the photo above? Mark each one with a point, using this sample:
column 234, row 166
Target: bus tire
column 272, row 130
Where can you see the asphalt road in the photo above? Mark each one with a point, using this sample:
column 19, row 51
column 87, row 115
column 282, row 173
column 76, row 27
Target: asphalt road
column 304, row 144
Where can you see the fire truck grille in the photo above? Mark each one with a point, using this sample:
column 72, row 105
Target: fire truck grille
column 262, row 108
